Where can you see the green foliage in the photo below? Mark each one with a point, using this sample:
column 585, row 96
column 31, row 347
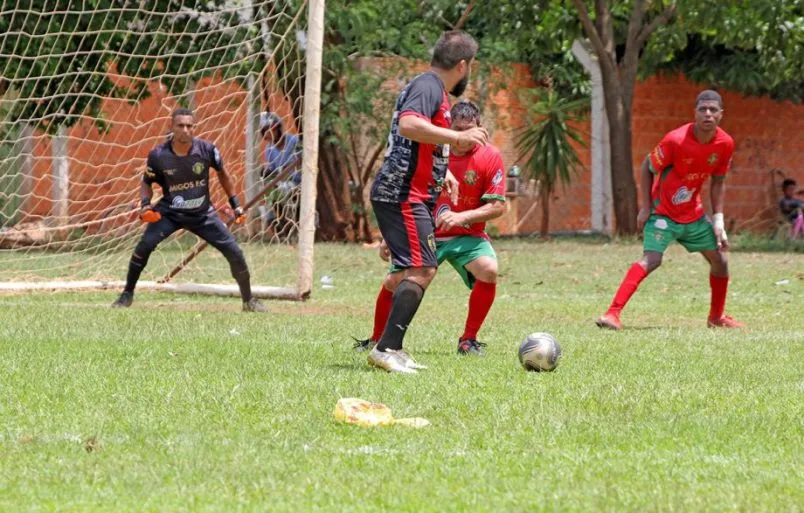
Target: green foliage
column 546, row 145
column 61, row 53
column 754, row 47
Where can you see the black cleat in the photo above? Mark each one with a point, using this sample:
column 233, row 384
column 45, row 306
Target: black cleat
column 363, row 345
column 124, row 301
column 254, row 305
column 472, row 347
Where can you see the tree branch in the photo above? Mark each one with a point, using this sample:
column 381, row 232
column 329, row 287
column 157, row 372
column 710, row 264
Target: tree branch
column 591, row 31
column 378, row 150
column 605, row 25
column 630, row 61
column 465, row 16
column 635, row 23
column 662, row 19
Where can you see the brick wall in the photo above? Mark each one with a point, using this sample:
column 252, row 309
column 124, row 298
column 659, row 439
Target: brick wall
column 105, row 167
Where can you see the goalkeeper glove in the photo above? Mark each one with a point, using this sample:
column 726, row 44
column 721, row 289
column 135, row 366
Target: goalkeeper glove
column 147, row 212
column 239, row 213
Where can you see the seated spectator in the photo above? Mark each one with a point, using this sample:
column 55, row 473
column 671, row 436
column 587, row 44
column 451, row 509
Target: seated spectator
column 792, row 208
column 282, row 151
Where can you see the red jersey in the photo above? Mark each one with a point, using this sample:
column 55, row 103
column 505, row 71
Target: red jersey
column 482, row 178
column 682, row 165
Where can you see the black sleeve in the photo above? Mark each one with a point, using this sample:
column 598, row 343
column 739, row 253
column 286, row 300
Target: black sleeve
column 424, row 96
column 215, row 158
column 153, row 173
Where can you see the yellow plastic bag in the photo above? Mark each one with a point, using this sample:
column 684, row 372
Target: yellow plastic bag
column 363, row 413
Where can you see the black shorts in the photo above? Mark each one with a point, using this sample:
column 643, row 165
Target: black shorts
column 409, row 232
column 208, row 226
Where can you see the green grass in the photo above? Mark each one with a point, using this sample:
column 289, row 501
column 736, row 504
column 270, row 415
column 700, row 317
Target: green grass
column 186, row 404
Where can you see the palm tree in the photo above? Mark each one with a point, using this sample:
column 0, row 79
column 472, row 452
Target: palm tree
column 545, row 146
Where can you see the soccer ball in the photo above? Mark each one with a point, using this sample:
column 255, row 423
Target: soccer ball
column 539, row 352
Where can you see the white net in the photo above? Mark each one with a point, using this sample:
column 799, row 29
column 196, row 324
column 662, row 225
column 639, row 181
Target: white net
column 87, row 89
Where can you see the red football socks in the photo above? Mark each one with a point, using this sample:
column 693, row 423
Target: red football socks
column 719, row 286
column 480, row 301
column 636, row 273
column 381, row 310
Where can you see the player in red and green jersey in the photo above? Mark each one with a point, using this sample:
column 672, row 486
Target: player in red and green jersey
column 671, row 180
column 460, row 233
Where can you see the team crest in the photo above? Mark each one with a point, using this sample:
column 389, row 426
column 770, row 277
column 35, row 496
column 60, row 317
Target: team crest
column 712, row 159
column 198, row 168
column 470, row 177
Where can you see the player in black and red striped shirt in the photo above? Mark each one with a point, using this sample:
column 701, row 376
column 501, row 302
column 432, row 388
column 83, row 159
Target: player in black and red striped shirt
column 413, row 171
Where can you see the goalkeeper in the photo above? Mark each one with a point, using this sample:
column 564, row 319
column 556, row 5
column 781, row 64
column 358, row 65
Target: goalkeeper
column 180, row 166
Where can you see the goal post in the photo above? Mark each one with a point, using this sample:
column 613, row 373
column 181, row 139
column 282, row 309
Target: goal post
column 86, row 90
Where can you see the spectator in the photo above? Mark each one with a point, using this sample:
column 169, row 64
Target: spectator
column 791, row 207
column 282, row 152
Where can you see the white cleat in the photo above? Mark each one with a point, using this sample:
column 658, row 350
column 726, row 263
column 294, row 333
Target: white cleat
column 389, row 360
column 409, row 362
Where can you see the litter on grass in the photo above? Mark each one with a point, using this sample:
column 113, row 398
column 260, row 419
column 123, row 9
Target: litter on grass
column 366, row 414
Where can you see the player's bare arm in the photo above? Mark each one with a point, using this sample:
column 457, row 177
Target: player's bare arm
column 451, row 185
column 491, row 210
column 228, row 188
column 645, row 185
column 717, row 195
column 421, row 130
column 147, row 212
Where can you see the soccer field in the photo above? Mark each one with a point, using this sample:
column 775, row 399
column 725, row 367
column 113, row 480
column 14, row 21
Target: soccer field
column 184, row 403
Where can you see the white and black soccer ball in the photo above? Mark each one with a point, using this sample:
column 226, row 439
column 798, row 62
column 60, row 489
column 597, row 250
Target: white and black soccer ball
column 539, row 352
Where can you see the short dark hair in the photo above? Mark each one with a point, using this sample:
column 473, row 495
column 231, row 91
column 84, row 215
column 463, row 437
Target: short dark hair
column 181, row 111
column 787, row 183
column 452, row 48
column 709, row 95
column 465, row 110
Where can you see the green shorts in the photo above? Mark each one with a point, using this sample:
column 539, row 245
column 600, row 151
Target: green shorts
column 459, row 252
column 696, row 236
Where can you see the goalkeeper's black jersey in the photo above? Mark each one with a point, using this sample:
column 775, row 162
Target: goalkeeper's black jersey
column 184, row 180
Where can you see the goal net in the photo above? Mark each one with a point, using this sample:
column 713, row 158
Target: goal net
column 87, row 89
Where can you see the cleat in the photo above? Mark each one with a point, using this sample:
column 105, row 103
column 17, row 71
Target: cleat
column 727, row 321
column 609, row 321
column 389, row 360
column 410, row 363
column 363, row 345
column 254, row 305
column 471, row 346
column 124, row 301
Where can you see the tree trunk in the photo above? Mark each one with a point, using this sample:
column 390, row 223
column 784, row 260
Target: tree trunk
column 333, row 202
column 624, row 192
column 544, row 197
